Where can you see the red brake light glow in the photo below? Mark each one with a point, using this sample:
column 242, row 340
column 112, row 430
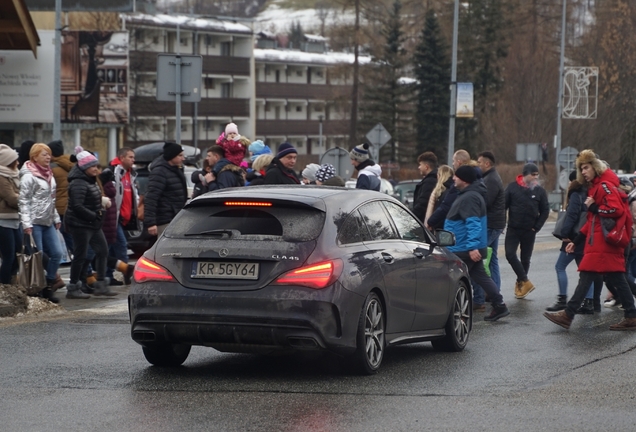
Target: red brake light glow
column 316, row 276
column 147, row 271
column 248, row 204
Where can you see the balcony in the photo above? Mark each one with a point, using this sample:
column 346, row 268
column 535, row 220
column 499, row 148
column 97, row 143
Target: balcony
column 301, row 127
column 145, row 61
column 148, row 106
column 299, row 91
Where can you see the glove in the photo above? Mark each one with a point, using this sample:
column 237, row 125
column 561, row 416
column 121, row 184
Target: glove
column 106, row 202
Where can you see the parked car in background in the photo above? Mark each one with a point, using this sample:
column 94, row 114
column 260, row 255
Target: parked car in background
column 405, row 190
column 385, row 186
column 269, row 269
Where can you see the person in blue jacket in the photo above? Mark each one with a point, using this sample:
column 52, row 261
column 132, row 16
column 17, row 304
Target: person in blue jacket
column 467, row 220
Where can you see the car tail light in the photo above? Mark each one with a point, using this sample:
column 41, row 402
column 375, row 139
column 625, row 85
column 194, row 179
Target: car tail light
column 248, row 203
column 318, row 276
column 147, row 271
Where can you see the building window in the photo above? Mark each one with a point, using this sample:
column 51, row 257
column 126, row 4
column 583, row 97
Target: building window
column 319, row 74
column 184, row 41
column 299, row 73
column 184, row 127
column 154, row 83
column 226, row 90
column 299, row 109
column 208, row 125
column 156, row 127
column 209, row 41
column 209, row 83
column 155, row 40
column 226, row 48
column 317, row 108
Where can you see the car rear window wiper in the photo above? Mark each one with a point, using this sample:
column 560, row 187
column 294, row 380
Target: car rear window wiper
column 217, row 232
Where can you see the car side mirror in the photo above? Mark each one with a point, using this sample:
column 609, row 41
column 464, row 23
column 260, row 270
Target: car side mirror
column 445, row 238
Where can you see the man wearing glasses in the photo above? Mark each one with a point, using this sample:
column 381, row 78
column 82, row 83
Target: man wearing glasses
column 528, row 209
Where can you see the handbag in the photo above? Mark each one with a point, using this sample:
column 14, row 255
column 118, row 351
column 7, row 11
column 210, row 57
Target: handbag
column 31, row 269
column 558, row 226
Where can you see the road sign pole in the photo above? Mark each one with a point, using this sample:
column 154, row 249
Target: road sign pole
column 177, row 64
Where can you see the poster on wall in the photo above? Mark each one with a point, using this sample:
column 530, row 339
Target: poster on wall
column 94, row 77
column 26, row 83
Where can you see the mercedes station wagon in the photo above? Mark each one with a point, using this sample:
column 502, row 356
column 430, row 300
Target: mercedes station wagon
column 266, row 269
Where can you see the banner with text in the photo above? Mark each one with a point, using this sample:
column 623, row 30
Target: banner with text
column 465, row 100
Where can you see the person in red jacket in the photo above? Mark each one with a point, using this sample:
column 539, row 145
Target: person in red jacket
column 599, row 257
column 232, row 145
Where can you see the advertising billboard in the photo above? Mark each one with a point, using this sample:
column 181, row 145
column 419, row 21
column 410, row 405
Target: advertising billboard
column 26, row 83
column 94, row 77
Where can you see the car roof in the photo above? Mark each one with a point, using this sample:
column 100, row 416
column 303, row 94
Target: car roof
column 319, row 197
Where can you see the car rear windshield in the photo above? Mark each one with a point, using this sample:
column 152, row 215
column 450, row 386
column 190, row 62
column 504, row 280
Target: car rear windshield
column 289, row 223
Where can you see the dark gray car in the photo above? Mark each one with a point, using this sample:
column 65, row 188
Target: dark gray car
column 283, row 268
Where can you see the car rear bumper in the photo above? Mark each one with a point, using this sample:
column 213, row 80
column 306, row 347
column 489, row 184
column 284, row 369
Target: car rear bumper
column 271, row 319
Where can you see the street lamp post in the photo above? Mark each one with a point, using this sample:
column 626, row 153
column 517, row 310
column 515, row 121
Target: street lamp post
column 320, row 132
column 453, row 100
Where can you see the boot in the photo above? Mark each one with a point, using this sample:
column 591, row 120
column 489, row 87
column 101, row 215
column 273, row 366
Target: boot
column 126, row 270
column 47, row 293
column 102, row 288
column 518, row 288
column 625, row 324
column 74, row 291
column 87, row 289
column 58, row 284
column 587, row 308
column 560, row 318
column 560, row 304
column 526, row 288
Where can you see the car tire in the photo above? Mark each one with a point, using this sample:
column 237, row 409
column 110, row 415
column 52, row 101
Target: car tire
column 166, row 354
column 459, row 323
column 370, row 338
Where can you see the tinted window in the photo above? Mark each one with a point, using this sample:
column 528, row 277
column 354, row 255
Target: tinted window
column 292, row 224
column 377, row 221
column 408, row 227
column 353, row 230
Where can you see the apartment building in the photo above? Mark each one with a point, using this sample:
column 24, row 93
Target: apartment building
column 227, row 93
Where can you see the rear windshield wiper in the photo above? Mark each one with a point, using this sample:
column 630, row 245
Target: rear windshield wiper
column 217, row 232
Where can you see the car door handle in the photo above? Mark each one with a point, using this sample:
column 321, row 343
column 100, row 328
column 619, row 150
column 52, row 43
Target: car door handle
column 387, row 257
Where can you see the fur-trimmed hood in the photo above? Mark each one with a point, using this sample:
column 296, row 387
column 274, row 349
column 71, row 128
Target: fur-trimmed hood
column 588, row 156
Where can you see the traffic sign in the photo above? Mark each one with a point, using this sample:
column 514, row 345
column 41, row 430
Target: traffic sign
column 567, row 158
column 339, row 158
column 191, row 68
column 378, row 136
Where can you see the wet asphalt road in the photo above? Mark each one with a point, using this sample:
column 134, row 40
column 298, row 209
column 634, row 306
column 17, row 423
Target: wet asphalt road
column 81, row 371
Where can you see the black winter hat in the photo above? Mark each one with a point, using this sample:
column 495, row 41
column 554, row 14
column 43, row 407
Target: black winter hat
column 25, row 148
column 171, row 150
column 466, row 173
column 529, row 168
column 57, row 148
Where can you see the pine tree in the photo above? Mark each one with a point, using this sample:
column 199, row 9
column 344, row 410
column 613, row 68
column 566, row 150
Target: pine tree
column 386, row 98
column 432, row 71
column 296, row 35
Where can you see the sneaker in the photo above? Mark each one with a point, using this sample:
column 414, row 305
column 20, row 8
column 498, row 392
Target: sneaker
column 497, row 311
column 559, row 318
column 525, row 289
column 610, row 302
column 115, row 282
column 625, row 324
column 479, row 307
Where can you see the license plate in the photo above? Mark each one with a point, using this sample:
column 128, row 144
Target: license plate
column 224, row 270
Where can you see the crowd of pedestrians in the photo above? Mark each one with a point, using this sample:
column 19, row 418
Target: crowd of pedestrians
column 54, row 196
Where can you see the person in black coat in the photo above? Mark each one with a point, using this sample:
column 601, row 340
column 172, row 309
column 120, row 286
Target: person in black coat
column 427, row 166
column 84, row 219
column 225, row 173
column 528, row 209
column 281, row 169
column 167, row 190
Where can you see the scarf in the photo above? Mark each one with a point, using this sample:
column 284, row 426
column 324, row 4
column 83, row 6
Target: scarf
column 12, row 174
column 39, row 171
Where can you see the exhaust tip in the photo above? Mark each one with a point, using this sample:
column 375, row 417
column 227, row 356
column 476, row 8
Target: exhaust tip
column 144, row 336
column 303, row 342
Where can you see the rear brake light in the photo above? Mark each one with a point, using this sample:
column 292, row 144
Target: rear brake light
column 316, row 276
column 147, row 271
column 247, row 203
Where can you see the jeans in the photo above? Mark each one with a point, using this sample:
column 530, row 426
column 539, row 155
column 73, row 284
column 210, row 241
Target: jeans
column 47, row 240
column 82, row 238
column 479, row 296
column 631, row 264
column 617, row 279
column 10, row 244
column 562, row 263
column 516, row 237
column 118, row 250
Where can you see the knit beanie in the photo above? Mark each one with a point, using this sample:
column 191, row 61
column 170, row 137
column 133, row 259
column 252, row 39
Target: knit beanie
column 529, row 168
column 7, row 155
column 25, row 149
column 231, row 127
column 57, row 148
column 466, row 173
column 310, row 171
column 360, row 152
column 325, row 172
column 258, row 148
column 284, row 149
column 85, row 159
column 171, row 150
column 38, row 148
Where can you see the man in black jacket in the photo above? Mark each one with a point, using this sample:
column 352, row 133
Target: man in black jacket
column 496, row 207
column 528, row 209
column 167, row 190
column 427, row 166
column 224, row 173
column 281, row 170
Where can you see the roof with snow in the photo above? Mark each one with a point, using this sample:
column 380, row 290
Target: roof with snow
column 314, row 38
column 188, row 23
column 301, row 57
